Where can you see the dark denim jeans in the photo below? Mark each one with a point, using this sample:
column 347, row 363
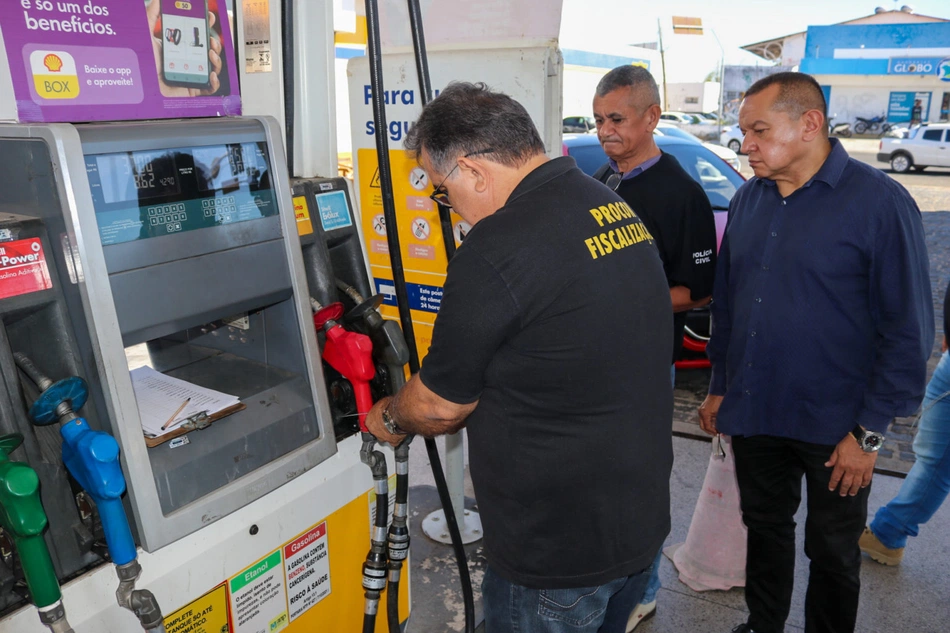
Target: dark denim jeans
column 511, row 608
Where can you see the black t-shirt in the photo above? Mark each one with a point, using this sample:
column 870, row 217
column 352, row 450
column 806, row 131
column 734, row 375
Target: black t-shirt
column 555, row 318
column 676, row 211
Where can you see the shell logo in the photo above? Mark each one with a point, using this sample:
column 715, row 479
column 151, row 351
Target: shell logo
column 53, row 63
column 54, row 74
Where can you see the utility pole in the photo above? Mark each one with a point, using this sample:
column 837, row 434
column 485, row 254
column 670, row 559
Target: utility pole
column 722, row 81
column 659, row 30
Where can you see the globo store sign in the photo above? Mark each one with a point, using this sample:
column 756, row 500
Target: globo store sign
column 913, row 65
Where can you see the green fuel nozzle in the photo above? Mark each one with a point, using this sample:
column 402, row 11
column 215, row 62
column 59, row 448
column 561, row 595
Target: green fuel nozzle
column 23, row 518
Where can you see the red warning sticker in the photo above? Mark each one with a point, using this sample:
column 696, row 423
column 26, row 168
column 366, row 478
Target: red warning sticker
column 23, row 268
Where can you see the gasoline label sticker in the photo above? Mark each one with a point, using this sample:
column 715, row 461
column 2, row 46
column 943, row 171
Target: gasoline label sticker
column 207, row 614
column 259, row 597
column 23, row 268
column 307, row 564
column 302, row 214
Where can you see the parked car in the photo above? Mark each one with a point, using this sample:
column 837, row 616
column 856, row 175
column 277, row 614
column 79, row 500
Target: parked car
column 927, row 145
column 725, row 153
column 578, row 124
column 680, row 117
column 717, row 178
column 731, row 137
column 695, row 124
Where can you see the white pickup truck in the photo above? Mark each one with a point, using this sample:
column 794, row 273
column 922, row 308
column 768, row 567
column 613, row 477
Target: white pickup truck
column 927, row 145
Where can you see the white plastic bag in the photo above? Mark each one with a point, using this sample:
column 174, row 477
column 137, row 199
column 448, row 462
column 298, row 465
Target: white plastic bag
column 713, row 556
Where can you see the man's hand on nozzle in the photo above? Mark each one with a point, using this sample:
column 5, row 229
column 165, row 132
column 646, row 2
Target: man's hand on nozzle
column 374, row 422
column 708, row 411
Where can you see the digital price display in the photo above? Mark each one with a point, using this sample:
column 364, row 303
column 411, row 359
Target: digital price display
column 137, row 176
column 152, row 193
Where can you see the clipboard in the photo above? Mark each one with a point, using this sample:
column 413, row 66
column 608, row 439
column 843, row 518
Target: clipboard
column 194, row 423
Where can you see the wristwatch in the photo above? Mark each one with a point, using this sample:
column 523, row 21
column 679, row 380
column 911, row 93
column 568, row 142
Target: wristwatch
column 869, row 441
column 390, row 423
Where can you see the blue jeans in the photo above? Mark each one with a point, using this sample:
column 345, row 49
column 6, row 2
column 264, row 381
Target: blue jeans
column 511, row 608
column 928, row 482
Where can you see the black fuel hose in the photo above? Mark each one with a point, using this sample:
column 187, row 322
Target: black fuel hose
column 376, row 564
column 425, row 90
column 448, row 240
column 374, row 56
column 287, row 39
column 398, row 536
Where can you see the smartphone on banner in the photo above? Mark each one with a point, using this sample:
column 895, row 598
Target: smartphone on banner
column 185, row 43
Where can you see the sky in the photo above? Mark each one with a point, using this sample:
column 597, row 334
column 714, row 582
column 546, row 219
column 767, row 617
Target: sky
column 612, row 27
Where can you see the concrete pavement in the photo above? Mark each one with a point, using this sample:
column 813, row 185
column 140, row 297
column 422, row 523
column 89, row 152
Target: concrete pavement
column 908, row 598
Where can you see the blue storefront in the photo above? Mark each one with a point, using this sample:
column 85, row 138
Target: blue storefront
column 874, row 70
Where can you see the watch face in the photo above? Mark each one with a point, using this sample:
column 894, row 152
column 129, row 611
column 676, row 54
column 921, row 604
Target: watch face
column 873, row 441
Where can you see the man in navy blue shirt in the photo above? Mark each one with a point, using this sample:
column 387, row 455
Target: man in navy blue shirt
column 822, row 326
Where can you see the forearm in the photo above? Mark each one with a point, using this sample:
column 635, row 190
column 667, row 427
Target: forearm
column 419, row 411
column 683, row 301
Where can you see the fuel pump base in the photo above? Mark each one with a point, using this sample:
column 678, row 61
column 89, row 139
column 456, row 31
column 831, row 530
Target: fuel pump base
column 435, row 527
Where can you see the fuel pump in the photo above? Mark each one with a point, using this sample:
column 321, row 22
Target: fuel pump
column 22, row 516
column 92, row 458
column 374, row 54
column 351, row 354
column 391, row 349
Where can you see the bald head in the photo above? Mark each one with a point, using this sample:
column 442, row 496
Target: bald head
column 797, row 93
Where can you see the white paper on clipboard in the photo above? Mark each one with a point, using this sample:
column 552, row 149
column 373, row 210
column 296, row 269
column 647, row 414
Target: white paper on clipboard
column 158, row 397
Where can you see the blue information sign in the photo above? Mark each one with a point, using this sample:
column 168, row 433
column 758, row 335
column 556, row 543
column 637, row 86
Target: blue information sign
column 900, row 105
column 912, row 65
column 334, row 212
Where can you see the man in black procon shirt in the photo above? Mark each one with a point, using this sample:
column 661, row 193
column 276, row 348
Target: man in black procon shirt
column 552, row 348
column 673, row 206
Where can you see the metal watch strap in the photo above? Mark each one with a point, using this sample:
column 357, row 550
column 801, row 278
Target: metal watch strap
column 390, row 422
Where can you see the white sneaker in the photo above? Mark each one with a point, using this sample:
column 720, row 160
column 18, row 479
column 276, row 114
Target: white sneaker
column 640, row 613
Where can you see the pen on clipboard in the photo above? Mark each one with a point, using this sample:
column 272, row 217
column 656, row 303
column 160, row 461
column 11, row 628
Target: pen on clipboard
column 175, row 414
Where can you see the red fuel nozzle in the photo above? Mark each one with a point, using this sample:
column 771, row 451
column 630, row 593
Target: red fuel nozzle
column 351, row 354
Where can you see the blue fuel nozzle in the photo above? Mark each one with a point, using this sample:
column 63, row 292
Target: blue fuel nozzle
column 92, row 457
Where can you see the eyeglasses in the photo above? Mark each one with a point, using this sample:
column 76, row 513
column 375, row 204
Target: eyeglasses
column 614, row 180
column 440, row 195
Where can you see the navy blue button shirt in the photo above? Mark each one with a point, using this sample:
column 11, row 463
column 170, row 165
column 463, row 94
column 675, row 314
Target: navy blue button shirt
column 822, row 309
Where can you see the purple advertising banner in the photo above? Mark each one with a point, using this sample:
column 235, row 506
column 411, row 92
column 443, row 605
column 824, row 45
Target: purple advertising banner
column 113, row 60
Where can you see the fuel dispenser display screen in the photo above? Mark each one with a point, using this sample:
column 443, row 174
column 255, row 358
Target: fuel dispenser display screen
column 151, row 193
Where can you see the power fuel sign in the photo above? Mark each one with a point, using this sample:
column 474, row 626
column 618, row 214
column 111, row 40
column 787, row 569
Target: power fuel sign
column 23, row 268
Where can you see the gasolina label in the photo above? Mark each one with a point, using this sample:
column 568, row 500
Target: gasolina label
column 23, row 268
column 258, row 597
column 307, row 565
